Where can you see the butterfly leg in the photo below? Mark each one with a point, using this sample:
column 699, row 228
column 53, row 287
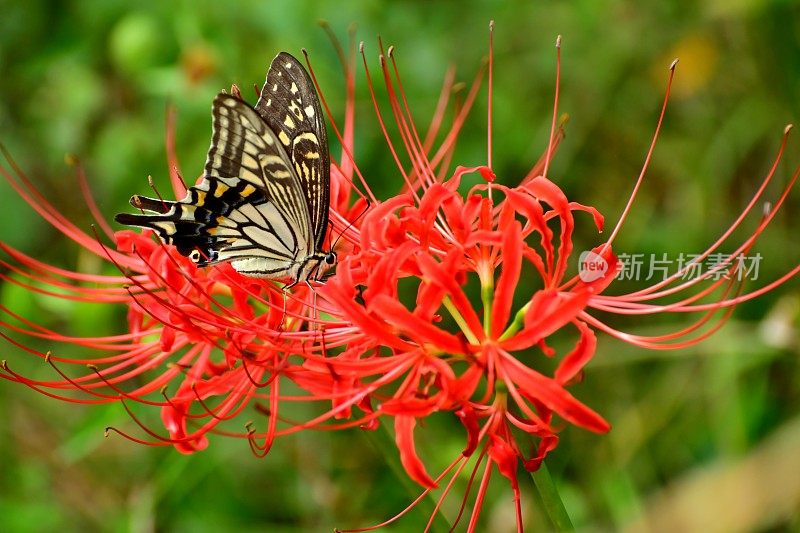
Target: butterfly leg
column 285, row 289
column 314, row 311
column 283, row 316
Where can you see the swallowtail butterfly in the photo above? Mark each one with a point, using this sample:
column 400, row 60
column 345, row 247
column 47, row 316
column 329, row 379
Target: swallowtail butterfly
column 263, row 201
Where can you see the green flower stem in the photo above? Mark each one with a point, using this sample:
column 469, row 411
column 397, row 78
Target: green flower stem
column 462, row 324
column 551, row 500
column 383, row 441
column 487, row 297
column 516, row 325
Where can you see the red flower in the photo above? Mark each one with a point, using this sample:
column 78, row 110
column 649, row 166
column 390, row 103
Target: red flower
column 426, row 312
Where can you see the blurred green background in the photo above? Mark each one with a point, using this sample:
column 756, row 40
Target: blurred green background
column 704, row 438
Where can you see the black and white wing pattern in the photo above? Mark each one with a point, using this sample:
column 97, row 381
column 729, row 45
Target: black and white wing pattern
column 290, row 106
column 263, row 201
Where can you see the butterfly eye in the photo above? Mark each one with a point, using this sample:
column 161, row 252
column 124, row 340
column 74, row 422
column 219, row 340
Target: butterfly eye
column 330, row 258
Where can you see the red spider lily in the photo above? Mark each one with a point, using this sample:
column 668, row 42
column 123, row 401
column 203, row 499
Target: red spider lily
column 396, row 333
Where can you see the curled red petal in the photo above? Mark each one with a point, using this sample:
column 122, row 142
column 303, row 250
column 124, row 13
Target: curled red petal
column 394, row 313
column 342, row 295
column 553, row 395
column 414, row 407
column 599, row 219
column 404, row 436
column 375, row 219
column 174, row 417
column 444, row 274
column 432, row 201
column 574, row 361
column 505, row 457
column 470, row 421
column 546, row 445
column 549, row 311
column 167, row 338
column 509, row 277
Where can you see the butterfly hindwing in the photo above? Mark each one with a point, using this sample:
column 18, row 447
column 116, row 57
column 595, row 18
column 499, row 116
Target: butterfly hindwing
column 189, row 223
column 290, row 106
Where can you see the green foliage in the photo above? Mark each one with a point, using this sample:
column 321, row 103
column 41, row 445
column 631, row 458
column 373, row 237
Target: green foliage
column 93, row 78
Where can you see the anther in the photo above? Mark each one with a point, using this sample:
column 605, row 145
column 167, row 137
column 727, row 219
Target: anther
column 390, row 52
column 152, row 185
column 47, row 357
column 674, row 64
column 558, row 42
column 788, row 128
column 179, row 175
column 767, row 208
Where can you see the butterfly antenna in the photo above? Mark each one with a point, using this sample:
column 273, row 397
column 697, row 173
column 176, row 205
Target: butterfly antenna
column 236, row 93
column 258, row 91
column 351, row 224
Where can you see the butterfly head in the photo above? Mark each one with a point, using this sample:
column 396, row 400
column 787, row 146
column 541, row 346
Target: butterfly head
column 317, row 266
column 330, row 258
column 327, row 260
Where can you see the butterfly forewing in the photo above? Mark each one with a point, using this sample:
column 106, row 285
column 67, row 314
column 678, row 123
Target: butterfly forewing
column 290, row 106
column 249, row 208
column 263, row 201
column 273, row 226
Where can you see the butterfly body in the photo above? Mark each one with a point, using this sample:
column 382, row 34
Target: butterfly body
column 263, row 201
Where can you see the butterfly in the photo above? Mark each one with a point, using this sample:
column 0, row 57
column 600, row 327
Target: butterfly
column 262, row 203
